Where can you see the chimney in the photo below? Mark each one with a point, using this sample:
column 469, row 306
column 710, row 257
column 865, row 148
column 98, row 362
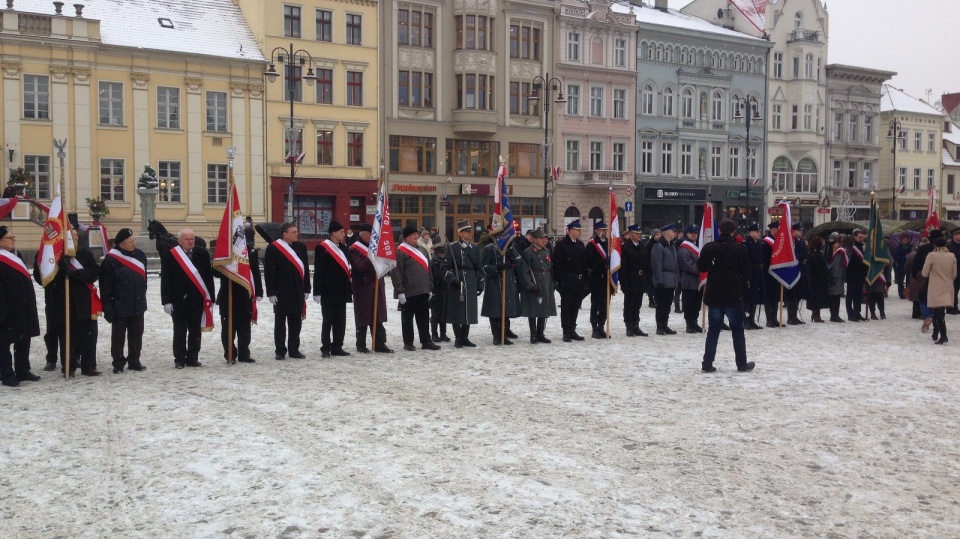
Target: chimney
column 661, row 5
column 79, row 8
column 59, row 7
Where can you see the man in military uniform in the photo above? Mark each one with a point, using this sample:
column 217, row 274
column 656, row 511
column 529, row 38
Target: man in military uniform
column 598, row 262
column 753, row 296
column 501, row 268
column 463, row 276
column 570, row 274
column 537, row 301
column 634, row 272
column 801, row 290
column 771, row 286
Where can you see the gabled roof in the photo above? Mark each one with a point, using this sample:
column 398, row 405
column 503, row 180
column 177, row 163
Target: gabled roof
column 948, row 159
column 754, row 11
column 895, row 99
column 203, row 27
column 950, row 102
column 673, row 18
column 953, row 135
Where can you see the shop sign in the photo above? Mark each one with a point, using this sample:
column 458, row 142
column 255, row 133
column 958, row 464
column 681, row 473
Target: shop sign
column 775, row 210
column 734, row 193
column 371, row 209
column 674, row 193
column 413, row 188
column 823, row 210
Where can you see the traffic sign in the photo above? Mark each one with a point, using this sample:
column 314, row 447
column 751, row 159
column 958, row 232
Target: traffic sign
column 629, row 192
column 628, row 206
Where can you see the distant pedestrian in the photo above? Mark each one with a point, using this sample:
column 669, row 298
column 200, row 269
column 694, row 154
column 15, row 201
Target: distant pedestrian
column 940, row 268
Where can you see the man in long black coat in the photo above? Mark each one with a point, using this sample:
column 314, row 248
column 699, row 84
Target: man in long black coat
column 801, row 290
column 19, row 320
column 754, row 295
column 365, row 284
column 190, row 306
column 54, row 311
column 634, row 274
column 597, row 261
column 243, row 309
column 123, row 290
column 85, row 308
column 332, row 289
column 286, row 272
column 570, row 274
column 771, row 286
column 856, row 276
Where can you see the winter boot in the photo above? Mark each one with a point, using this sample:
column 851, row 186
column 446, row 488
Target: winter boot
column 434, row 336
column 532, row 322
column 508, row 333
column 943, row 331
column 541, row 327
column 443, row 332
column 362, row 340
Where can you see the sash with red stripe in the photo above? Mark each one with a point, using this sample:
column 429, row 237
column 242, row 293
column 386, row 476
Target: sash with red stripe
column 291, row 255
column 842, row 253
column 857, row 251
column 599, row 249
column 96, row 306
column 690, row 246
column 14, row 262
column 770, row 241
column 415, row 254
column 361, row 248
column 132, row 263
column 206, row 321
column 337, row 255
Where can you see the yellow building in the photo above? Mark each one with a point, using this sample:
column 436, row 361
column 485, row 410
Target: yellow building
column 333, row 155
column 129, row 84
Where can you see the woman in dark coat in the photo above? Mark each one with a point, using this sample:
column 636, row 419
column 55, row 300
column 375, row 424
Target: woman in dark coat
column 819, row 281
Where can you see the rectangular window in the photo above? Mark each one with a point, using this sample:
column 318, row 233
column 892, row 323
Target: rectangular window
column 808, row 117
column 519, row 99
column 752, row 163
column 168, row 108
column 620, row 52
column 216, row 112
column 36, row 97
column 794, row 120
column 38, row 168
column 291, row 21
column 324, row 86
column 416, row 155
column 619, row 156
column 573, row 155
column 851, row 174
column 868, row 129
column 918, row 141
column 415, row 27
column 716, row 162
column 666, row 159
column 917, row 173
column 415, row 89
column 573, row 46
column 903, row 139
column 796, row 67
column 525, row 41
column 573, row 100
column 474, row 32
column 292, row 149
column 903, row 176
column 646, row 157
column 354, row 88
column 596, row 102
column 867, row 175
column 325, row 147
column 596, row 155
column 778, row 65
column 111, row 103
column 217, row 181
column 354, row 149
column 686, row 159
column 619, row 104
column 777, row 118
column 472, row 158
column 734, row 162
column 111, row 179
column 951, row 184
column 838, row 173
column 931, row 142
column 524, row 160
column 854, row 124
column 474, row 92
column 292, row 87
column 324, row 25
column 354, row 29
column 931, row 178
column 168, row 172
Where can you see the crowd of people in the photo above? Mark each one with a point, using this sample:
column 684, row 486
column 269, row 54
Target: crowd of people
column 436, row 283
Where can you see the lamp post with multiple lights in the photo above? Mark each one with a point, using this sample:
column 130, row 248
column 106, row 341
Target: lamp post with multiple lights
column 539, row 85
column 753, row 115
column 896, row 134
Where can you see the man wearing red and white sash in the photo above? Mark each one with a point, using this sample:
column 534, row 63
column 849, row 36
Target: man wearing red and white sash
column 85, row 307
column 688, row 253
column 332, row 290
column 286, row 273
column 19, row 320
column 186, row 291
column 413, row 285
column 596, row 261
column 363, row 277
column 123, row 291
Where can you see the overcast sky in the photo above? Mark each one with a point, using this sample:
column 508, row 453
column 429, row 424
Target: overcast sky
column 913, row 38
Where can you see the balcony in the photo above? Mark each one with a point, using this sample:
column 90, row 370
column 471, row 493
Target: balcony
column 808, row 36
column 475, row 121
column 604, row 178
column 37, row 25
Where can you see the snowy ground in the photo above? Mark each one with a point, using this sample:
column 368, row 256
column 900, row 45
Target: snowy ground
column 847, row 430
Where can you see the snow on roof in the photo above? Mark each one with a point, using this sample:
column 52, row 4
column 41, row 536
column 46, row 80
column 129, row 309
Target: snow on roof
column 754, row 11
column 205, row 27
column 953, row 135
column 895, row 99
column 677, row 19
column 948, row 159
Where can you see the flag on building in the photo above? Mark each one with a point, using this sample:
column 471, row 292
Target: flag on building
column 7, row 205
column 501, row 227
column 613, row 246
column 295, row 158
column 56, row 242
column 383, row 253
column 556, row 173
column 230, row 257
column 783, row 261
column 708, row 233
column 875, row 253
column 933, row 221
column 901, row 189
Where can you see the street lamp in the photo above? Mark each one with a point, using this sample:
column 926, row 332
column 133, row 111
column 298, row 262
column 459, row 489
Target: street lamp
column 753, row 115
column 896, row 133
column 289, row 60
column 538, row 85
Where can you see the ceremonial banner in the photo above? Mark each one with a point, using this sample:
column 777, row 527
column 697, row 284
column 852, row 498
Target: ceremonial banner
column 933, row 221
column 382, row 250
column 615, row 248
column 783, row 262
column 502, row 223
column 230, row 256
column 875, row 254
column 708, row 233
column 56, row 242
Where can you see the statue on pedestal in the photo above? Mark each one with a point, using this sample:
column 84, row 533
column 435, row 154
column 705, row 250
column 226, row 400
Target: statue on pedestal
column 148, row 187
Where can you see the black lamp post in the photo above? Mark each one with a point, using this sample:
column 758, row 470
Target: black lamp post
column 290, row 59
column 753, row 115
column 538, row 85
column 896, row 133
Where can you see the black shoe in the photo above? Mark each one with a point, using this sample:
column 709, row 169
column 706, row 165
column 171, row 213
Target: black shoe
column 30, row 377
column 363, row 350
column 598, row 334
column 669, row 331
column 637, row 332
column 11, row 381
column 117, row 370
column 247, row 360
column 630, row 332
column 660, row 331
column 575, row 336
column 711, row 368
column 94, row 372
column 444, row 338
column 533, row 339
column 280, row 357
column 510, row 334
column 953, row 311
column 340, row 352
column 468, row 343
column 325, row 354
column 383, row 350
column 458, row 343
column 179, row 364
column 50, row 366
column 943, row 339
column 297, row 355
column 430, row 346
column 542, row 338
column 837, row 319
column 410, row 348
column 435, row 337
column 752, row 325
column 773, row 324
column 873, row 316
column 194, row 364
column 506, row 341
column 566, row 338
column 137, row 367
column 747, row 368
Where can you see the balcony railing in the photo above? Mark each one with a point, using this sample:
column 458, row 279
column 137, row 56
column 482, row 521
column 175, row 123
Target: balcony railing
column 37, row 25
column 811, row 36
column 603, row 178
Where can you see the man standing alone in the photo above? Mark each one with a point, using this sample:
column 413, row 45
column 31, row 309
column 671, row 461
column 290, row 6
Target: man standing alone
column 331, row 288
column 287, row 274
column 186, row 291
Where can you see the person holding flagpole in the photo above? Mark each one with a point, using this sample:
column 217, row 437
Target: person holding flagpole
column 244, row 311
column 365, row 288
column 123, row 288
column 82, row 271
column 596, row 259
column 19, row 321
column 463, row 276
column 856, row 276
column 502, row 268
column 692, row 298
column 332, row 289
column 186, row 292
column 771, row 287
column 286, row 271
column 413, row 286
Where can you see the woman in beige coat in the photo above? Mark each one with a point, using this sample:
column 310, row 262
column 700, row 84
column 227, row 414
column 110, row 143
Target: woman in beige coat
column 940, row 268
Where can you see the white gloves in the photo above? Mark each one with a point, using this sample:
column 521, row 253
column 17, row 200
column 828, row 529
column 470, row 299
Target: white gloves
column 273, row 300
column 430, row 296
column 403, row 299
column 306, row 296
column 316, row 299
column 168, row 308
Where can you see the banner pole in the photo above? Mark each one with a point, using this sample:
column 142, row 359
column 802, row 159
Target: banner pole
column 66, row 338
column 781, row 304
column 373, row 321
column 503, row 302
column 609, row 282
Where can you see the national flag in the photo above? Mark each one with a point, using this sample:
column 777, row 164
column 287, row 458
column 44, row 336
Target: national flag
column 708, row 233
column 7, row 205
column 298, row 158
column 614, row 247
column 933, row 222
column 755, row 181
column 556, row 173
column 56, row 242
column 901, row 189
column 382, row 251
column 230, row 257
column 783, row 261
column 502, row 223
column 875, row 253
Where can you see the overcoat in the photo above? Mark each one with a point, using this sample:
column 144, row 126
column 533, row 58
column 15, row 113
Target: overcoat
column 282, row 279
column 492, row 260
column 364, row 280
column 538, row 302
column 177, row 289
column 123, row 290
column 242, row 302
column 463, row 276
column 820, row 275
column 940, row 268
column 18, row 305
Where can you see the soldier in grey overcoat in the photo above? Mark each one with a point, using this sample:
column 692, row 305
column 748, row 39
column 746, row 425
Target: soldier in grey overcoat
column 537, row 301
column 502, row 266
column 463, row 277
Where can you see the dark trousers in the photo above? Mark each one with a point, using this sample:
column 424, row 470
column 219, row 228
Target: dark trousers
column 570, row 303
column 854, row 301
column 186, row 335
column 281, row 323
column 632, row 301
column 334, row 325
column 900, row 276
column 362, row 336
column 598, row 309
column 835, row 307
column 129, row 330
column 241, row 330
column 17, row 363
column 83, row 344
column 55, row 336
column 664, row 297
column 734, row 317
column 416, row 307
column 956, row 289
column 692, row 299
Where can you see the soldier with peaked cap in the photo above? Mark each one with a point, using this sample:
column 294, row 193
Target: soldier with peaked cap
column 597, row 261
column 754, row 296
column 771, row 286
column 364, row 282
column 666, row 276
column 801, row 290
column 123, row 289
column 570, row 274
column 537, row 301
column 502, row 268
column 463, row 276
column 286, row 275
column 438, row 303
column 332, row 289
column 634, row 274
column 19, row 320
column 413, row 286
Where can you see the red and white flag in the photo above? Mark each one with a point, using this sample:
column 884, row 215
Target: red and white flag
column 230, row 257
column 7, row 205
column 614, row 247
column 707, row 234
column 933, row 221
column 383, row 250
column 56, row 242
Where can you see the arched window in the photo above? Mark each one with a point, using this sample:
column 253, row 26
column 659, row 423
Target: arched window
column 686, row 104
column 809, row 68
column 596, row 214
column 683, row 56
column 717, row 108
column 782, row 175
column 806, row 176
column 646, row 100
column 735, row 112
column 668, row 101
column 659, row 53
column 570, row 215
column 798, row 20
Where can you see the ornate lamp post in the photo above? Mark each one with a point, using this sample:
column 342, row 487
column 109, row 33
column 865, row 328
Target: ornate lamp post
column 896, row 134
column 753, row 115
column 539, row 84
column 290, row 60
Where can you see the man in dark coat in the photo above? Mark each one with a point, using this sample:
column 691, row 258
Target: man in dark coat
column 438, row 303
column 243, row 311
column 954, row 247
column 123, row 289
column 537, row 301
column 771, row 286
column 570, row 274
column 856, row 277
column 19, row 320
column 634, row 274
column 727, row 265
column 463, row 275
column 54, row 311
column 501, row 268
column 286, row 271
column 801, row 290
column 597, row 262
column 687, row 254
column 666, row 277
column 365, row 286
column 754, row 296
column 413, row 285
column 332, row 289
column 186, row 292
column 899, row 255
column 85, row 307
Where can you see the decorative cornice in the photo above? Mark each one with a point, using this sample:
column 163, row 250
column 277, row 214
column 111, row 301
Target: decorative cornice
column 256, row 90
column 11, row 70
column 140, row 80
column 324, row 125
column 238, row 89
column 356, row 126
column 60, row 73
column 81, row 75
column 193, row 84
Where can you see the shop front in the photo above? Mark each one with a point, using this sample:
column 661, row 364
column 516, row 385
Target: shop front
column 318, row 201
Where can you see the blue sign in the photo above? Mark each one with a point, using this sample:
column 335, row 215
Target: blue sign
column 628, row 206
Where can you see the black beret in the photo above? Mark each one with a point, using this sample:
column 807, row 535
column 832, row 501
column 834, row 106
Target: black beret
column 122, row 236
column 407, row 230
column 334, row 227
